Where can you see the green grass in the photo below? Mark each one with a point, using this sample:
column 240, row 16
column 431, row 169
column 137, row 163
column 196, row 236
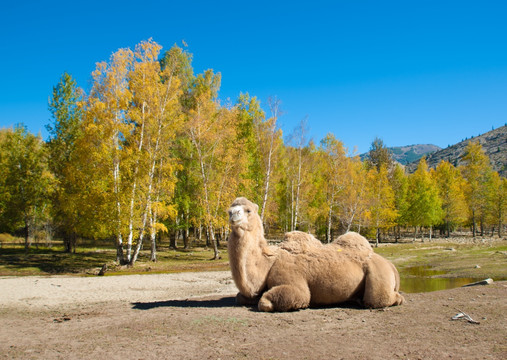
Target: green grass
column 488, row 259
column 89, row 258
column 452, row 259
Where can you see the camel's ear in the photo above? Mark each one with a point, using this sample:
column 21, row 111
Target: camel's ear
column 256, row 207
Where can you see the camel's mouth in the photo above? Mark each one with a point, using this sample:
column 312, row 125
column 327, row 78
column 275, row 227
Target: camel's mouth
column 235, row 222
column 236, row 215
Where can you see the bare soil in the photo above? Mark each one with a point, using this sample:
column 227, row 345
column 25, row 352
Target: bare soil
column 194, row 316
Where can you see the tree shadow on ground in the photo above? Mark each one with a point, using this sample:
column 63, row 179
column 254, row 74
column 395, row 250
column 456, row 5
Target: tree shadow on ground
column 229, row 301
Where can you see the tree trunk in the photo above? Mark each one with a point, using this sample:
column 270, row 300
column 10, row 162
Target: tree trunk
column 186, row 244
column 153, row 235
column 27, row 236
column 153, row 238
column 67, row 247
column 216, row 254
column 473, row 223
column 377, row 237
column 298, row 192
column 292, row 206
column 329, row 223
column 266, row 185
column 172, row 240
column 119, row 253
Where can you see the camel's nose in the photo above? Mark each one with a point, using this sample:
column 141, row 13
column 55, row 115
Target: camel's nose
column 235, row 213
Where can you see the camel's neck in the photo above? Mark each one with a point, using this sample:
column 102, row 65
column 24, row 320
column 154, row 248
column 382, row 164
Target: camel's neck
column 250, row 260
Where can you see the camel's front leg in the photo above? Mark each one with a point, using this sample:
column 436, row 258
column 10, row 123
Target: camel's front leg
column 285, row 298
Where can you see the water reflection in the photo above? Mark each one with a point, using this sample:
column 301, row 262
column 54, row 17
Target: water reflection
column 420, row 279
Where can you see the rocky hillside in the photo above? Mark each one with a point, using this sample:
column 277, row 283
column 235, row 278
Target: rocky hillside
column 409, row 153
column 494, row 142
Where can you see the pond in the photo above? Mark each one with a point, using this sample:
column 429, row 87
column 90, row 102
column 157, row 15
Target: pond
column 423, row 279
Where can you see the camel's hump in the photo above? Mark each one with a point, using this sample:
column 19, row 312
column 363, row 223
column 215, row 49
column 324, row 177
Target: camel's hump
column 353, row 240
column 298, row 242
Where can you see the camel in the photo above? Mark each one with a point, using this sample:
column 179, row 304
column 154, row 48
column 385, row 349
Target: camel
column 303, row 272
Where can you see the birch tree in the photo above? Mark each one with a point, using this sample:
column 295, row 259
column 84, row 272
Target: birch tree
column 399, row 184
column 269, row 141
column 157, row 115
column 451, row 186
column 498, row 202
column 381, row 209
column 298, row 141
column 210, row 130
column 106, row 129
column 476, row 170
column 425, row 205
column 333, row 172
column 352, row 201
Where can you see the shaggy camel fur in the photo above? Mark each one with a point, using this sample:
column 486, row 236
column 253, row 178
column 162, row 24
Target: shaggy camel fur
column 303, row 272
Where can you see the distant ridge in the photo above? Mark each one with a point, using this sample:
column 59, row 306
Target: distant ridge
column 408, row 153
column 494, row 143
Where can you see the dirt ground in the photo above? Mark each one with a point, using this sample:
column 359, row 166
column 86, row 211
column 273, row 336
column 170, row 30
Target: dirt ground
column 193, row 316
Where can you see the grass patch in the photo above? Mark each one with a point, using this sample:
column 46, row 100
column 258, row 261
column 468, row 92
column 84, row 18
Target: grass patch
column 488, row 259
column 466, row 259
column 89, row 258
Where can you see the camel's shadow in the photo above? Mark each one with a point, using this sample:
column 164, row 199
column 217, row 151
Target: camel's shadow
column 229, row 301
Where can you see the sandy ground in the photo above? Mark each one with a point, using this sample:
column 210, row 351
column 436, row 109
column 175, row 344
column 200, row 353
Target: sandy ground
column 193, row 316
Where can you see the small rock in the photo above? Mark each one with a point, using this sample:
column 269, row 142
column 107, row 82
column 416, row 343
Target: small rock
column 477, row 266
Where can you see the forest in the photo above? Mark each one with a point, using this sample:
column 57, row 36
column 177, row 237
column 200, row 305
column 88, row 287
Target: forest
column 151, row 153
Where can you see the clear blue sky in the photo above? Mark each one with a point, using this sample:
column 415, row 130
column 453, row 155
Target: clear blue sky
column 406, row 71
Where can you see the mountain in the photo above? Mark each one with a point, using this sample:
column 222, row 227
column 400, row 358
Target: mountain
column 493, row 142
column 409, row 153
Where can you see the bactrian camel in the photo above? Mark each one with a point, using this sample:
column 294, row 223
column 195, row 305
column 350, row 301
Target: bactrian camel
column 302, row 271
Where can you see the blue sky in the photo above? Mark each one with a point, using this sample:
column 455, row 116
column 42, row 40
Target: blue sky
column 406, row 71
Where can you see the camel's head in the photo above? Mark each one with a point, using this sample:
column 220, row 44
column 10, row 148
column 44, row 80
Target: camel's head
column 243, row 214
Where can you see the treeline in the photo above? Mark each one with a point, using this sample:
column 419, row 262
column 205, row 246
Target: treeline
column 151, row 150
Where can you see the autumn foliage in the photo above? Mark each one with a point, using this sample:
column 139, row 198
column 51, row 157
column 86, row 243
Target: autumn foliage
column 150, row 150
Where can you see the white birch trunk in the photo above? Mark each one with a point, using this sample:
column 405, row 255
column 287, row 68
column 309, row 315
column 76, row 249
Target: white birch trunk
column 268, row 172
column 329, row 224
column 298, row 190
column 116, row 189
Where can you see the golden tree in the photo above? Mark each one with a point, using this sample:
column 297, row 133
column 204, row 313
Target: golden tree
column 477, row 171
column 451, row 187
column 425, row 205
column 381, row 205
column 333, row 170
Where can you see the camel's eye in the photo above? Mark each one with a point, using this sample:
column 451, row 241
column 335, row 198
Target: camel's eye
column 249, row 211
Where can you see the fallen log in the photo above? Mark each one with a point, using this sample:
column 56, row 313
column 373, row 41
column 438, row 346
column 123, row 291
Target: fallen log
column 488, row 281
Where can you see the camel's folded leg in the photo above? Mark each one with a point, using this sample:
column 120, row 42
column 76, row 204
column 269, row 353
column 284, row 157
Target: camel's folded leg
column 243, row 300
column 285, row 298
column 381, row 284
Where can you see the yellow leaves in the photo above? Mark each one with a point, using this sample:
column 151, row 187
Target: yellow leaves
column 165, row 210
column 159, row 227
